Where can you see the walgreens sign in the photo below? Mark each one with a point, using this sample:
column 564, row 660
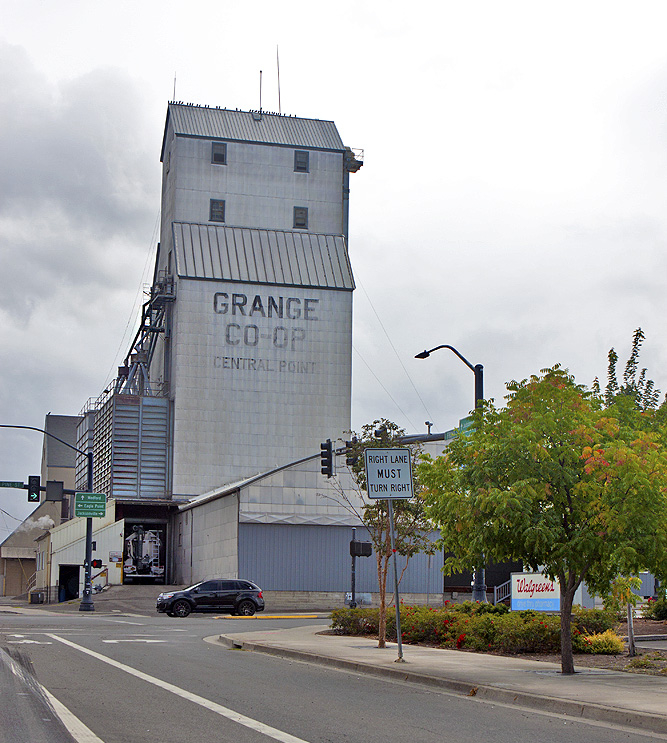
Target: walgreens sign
column 534, row 591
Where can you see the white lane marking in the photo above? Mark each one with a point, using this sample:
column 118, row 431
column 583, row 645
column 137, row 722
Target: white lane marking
column 115, row 642
column 80, row 732
column 27, row 642
column 119, row 613
column 230, row 714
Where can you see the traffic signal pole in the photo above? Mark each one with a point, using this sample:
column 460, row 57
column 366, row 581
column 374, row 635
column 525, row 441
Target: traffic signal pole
column 353, row 599
column 87, row 599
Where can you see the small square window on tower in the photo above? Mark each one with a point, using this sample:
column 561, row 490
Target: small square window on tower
column 219, row 153
column 301, row 161
column 217, row 211
column 300, row 218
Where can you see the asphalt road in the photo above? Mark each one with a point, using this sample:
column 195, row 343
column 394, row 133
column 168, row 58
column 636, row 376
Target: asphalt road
column 152, row 678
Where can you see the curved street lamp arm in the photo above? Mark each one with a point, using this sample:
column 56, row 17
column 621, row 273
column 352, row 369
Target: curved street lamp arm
column 424, row 354
column 46, row 433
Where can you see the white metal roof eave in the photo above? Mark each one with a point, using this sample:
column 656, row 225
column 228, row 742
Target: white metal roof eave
column 235, row 487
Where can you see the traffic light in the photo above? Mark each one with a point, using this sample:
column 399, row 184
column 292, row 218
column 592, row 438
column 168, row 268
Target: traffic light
column 326, row 458
column 96, row 564
column 380, row 433
column 33, row 488
column 352, row 454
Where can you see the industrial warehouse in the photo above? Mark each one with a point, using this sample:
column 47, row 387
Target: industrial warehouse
column 207, row 444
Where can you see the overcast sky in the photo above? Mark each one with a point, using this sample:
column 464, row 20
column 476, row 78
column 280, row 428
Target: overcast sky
column 512, row 202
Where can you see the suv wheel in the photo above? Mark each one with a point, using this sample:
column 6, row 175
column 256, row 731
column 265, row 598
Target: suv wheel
column 181, row 609
column 245, row 609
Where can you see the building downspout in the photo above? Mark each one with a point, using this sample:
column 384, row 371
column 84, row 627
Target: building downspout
column 351, row 164
column 345, row 227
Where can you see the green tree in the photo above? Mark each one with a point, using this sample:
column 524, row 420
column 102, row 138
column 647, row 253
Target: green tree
column 639, row 389
column 411, row 526
column 555, row 480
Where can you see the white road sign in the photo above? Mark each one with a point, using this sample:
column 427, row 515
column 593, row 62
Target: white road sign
column 388, row 473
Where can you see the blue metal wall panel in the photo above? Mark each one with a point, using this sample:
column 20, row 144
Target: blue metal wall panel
column 284, row 557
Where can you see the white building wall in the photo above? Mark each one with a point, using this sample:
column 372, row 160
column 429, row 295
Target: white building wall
column 258, row 184
column 302, row 495
column 253, row 392
column 68, row 545
column 206, row 531
column 214, row 540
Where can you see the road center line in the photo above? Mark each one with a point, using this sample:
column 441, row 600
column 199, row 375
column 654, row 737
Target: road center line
column 230, row 714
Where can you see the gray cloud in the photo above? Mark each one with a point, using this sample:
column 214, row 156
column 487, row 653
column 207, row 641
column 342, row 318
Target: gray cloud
column 78, row 202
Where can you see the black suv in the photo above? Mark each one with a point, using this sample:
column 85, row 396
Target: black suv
column 223, row 595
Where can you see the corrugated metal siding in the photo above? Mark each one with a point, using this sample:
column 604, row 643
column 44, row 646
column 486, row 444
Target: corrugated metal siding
column 262, row 256
column 243, row 126
column 131, row 447
column 85, row 440
column 140, row 446
column 154, row 447
column 102, row 463
column 125, row 447
column 317, row 558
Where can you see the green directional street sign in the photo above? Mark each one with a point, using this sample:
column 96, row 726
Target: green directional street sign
column 10, row 484
column 90, row 505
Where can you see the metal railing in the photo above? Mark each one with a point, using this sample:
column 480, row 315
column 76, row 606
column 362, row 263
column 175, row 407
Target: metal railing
column 502, row 592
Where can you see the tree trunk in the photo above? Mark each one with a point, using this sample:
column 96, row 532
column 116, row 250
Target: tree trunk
column 632, row 651
column 566, row 601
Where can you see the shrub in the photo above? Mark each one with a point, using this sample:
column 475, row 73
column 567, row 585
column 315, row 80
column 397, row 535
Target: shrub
column 529, row 632
column 422, row 624
column 477, row 607
column 592, row 621
column 355, row 621
column 478, row 627
column 603, row 643
column 656, row 609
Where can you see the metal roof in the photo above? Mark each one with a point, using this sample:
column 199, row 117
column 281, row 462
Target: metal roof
column 252, row 126
column 261, row 256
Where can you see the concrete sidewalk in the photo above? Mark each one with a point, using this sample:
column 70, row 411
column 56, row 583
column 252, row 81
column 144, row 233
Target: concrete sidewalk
column 617, row 697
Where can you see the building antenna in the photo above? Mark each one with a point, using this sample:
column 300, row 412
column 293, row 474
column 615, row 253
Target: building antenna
column 260, row 91
column 278, row 67
column 174, row 98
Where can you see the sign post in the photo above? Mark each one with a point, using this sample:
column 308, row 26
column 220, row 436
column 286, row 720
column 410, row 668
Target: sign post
column 389, row 477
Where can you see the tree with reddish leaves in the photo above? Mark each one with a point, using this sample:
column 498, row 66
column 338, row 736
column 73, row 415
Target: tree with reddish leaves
column 558, row 481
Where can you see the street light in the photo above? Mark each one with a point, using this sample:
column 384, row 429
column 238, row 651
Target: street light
column 479, row 581
column 87, row 599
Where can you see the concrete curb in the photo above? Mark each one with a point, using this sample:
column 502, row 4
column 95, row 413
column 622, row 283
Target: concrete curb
column 583, row 710
column 645, row 638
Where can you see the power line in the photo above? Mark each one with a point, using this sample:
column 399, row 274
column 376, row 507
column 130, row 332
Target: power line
column 403, row 413
column 428, row 412
column 2, row 510
column 135, row 304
